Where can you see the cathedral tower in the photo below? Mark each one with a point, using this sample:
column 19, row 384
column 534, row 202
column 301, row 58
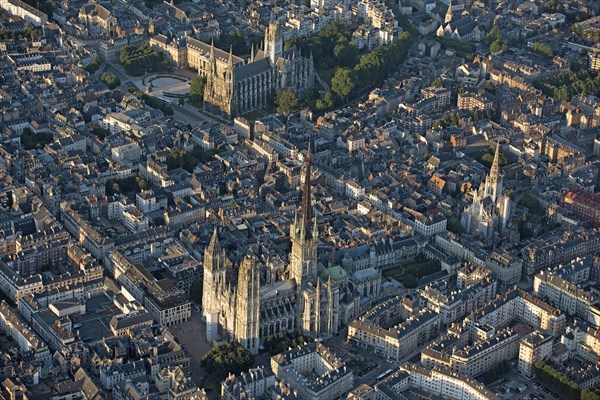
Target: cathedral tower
column 273, row 41
column 214, row 275
column 304, row 236
column 247, row 319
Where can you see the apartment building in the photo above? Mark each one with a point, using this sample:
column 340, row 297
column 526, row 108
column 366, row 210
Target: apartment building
column 534, row 347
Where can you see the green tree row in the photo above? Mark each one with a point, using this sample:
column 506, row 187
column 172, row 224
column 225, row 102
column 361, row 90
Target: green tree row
column 533, row 204
column 371, row 69
column 494, row 41
column 557, row 381
column 566, row 85
column 30, row 32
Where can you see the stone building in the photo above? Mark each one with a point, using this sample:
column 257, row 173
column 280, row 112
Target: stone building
column 249, row 310
column 234, row 88
column 490, row 209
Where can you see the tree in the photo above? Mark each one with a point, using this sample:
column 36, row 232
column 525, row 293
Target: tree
column 99, row 131
column 533, row 204
column 197, row 91
column 439, row 82
column 553, row 6
column 286, row 101
column 325, row 102
column 589, row 394
column 111, row 80
column 138, row 60
column 94, row 65
column 31, row 140
column 281, row 342
column 543, row 50
column 196, row 291
column 498, row 46
column 342, row 82
column 233, row 40
column 493, row 35
column 489, row 86
column 345, row 53
column 227, row 358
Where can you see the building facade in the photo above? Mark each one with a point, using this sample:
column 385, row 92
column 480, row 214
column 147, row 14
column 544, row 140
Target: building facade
column 234, row 88
column 490, row 208
column 249, row 311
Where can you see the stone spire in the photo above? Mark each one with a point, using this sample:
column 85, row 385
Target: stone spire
column 306, row 216
column 211, row 59
column 252, row 53
column 495, row 170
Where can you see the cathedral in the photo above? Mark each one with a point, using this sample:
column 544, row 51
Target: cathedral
column 248, row 311
column 490, row 209
column 234, row 87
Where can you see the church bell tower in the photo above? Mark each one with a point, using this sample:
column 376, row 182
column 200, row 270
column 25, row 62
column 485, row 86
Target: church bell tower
column 273, row 41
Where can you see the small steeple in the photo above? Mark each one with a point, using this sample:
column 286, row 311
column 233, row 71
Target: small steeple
column 252, row 53
column 448, row 17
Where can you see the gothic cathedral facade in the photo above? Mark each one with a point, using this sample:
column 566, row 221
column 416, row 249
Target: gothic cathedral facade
column 238, row 305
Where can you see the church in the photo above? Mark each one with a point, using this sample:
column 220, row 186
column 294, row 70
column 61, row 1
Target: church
column 490, row 209
column 235, row 87
column 248, row 311
column 462, row 28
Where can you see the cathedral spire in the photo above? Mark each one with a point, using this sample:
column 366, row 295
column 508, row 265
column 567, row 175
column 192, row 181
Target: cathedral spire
column 306, row 215
column 495, row 170
column 252, row 53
